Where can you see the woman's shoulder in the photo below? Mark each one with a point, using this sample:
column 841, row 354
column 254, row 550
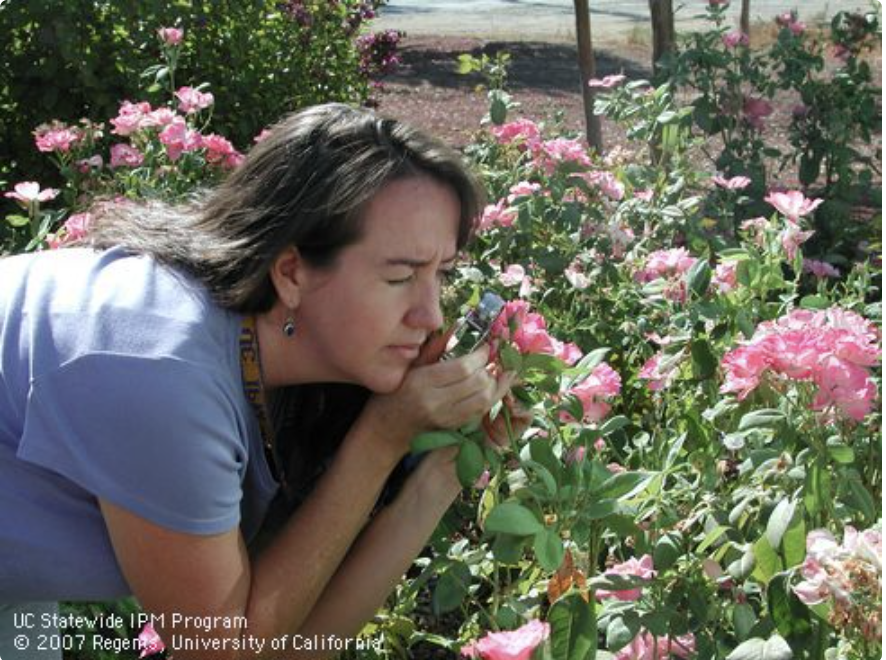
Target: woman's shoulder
column 84, row 301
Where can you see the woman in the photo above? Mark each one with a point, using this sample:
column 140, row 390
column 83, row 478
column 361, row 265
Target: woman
column 141, row 383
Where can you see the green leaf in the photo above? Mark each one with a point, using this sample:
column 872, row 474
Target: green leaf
column 734, row 254
column 544, row 474
column 814, row 302
column 16, row 220
column 742, row 567
column 508, row 549
column 469, row 464
column 765, row 418
column 601, row 509
column 614, row 424
column 794, row 541
column 666, row 553
column 712, row 537
column 549, row 549
column 541, row 452
column 621, row 484
column 774, row 648
column 466, row 64
column 778, row 522
column 861, row 499
column 699, row 277
column 513, row 518
column 451, row 588
column 743, row 619
column 435, row 440
column 573, row 634
column 704, row 364
column 620, row 632
column 791, row 617
column 498, row 111
column 766, row 562
column 841, row 453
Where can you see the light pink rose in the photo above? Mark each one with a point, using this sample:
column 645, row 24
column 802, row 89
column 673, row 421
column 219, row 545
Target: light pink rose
column 733, row 39
column 29, row 192
column 171, row 36
column 149, row 641
column 793, row 204
column 522, row 131
column 512, row 276
column 178, row 138
column 57, row 138
column 509, row 645
column 735, row 183
column 792, row 238
column 497, row 215
column 124, row 155
column 641, row 568
column 594, row 392
column 193, row 100
column 820, row 269
column 131, row 118
column 608, row 82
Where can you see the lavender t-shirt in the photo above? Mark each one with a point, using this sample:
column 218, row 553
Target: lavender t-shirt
column 119, row 379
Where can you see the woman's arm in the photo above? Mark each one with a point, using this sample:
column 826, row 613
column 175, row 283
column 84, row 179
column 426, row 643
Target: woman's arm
column 177, row 575
column 385, row 550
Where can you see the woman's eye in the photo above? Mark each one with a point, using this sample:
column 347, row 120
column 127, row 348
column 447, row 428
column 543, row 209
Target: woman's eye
column 402, row 280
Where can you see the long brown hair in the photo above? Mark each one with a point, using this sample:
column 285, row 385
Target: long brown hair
column 305, row 185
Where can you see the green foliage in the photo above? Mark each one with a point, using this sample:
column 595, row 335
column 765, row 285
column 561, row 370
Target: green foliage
column 84, row 57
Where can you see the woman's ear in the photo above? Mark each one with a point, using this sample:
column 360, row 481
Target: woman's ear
column 288, row 276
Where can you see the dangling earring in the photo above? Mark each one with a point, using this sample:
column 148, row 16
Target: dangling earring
column 289, row 326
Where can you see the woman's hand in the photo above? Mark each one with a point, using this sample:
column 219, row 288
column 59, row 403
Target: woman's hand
column 437, row 395
column 510, row 423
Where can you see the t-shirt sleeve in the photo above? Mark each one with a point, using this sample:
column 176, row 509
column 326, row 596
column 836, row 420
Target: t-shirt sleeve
column 157, row 436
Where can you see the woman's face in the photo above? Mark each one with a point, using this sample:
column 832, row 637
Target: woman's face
column 364, row 321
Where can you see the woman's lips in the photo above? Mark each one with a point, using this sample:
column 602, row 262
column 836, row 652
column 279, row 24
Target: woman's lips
column 407, row 351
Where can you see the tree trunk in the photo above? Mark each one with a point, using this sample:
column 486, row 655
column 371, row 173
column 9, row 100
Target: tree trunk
column 588, row 68
column 746, row 17
column 663, row 33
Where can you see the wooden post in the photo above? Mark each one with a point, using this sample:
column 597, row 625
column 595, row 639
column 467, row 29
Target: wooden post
column 746, row 17
column 588, row 69
column 663, row 33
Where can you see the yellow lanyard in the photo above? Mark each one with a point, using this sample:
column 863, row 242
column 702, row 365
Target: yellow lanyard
column 254, row 390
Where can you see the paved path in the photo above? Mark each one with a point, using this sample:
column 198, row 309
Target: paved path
column 554, row 20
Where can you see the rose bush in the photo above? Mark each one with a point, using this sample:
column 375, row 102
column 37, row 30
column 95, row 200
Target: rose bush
column 702, row 396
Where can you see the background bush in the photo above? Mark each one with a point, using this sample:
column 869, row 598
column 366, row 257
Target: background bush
column 261, row 58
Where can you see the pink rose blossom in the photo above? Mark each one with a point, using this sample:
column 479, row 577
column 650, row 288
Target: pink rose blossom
column 755, row 111
column 178, row 138
column 735, row 183
column 733, row 39
column 725, row 277
column 593, row 392
column 793, row 204
column 75, row 229
column 522, row 189
column 158, row 118
column 792, row 238
column 820, row 269
column 124, row 155
column 513, row 275
column 645, row 195
column 647, row 647
column 576, row 276
column 497, row 215
column 193, row 100
column 509, row 645
column 660, row 370
column 131, row 118
column 527, row 331
column 57, row 138
column 551, row 154
column 220, row 151
column 29, row 192
column 608, row 82
column 149, row 641
column 641, row 568
column 171, row 36
column 522, row 131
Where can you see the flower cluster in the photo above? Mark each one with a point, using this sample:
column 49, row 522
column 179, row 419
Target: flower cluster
column 527, row 332
column 830, row 348
column 848, row 575
column 378, row 52
column 516, row 644
column 28, row 193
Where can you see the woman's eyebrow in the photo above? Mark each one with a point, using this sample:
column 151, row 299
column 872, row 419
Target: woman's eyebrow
column 415, row 263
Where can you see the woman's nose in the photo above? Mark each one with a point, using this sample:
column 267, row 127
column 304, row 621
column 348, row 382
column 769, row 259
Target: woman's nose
column 425, row 312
